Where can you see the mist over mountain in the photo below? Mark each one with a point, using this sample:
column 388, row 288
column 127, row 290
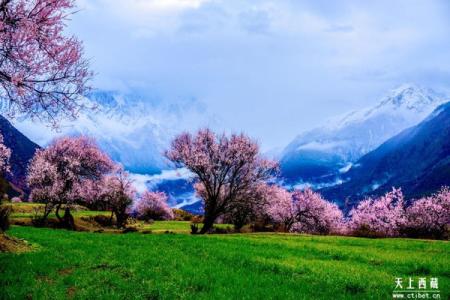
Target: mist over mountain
column 339, row 158
column 320, row 155
column 133, row 129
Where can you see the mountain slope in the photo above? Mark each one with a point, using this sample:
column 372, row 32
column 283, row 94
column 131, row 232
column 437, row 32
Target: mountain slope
column 22, row 150
column 321, row 154
column 133, row 129
column 417, row 160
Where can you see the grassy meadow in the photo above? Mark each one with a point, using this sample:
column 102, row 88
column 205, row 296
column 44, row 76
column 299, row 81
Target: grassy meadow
column 85, row 265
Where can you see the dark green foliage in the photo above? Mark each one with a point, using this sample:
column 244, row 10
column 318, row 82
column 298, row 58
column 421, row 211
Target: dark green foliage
column 194, row 228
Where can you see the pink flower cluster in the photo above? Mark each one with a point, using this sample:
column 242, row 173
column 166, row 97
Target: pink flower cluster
column 42, row 72
column 63, row 172
column 383, row 216
column 388, row 216
column 303, row 211
column 430, row 216
column 314, row 214
column 279, row 207
column 5, row 154
column 153, row 206
column 229, row 170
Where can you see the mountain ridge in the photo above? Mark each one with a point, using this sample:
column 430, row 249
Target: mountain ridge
column 22, row 151
column 417, row 160
column 318, row 155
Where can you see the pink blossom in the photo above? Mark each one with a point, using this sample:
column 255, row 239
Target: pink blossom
column 315, row 214
column 383, row 216
column 114, row 192
column 42, row 72
column 226, row 167
column 62, row 172
column 5, row 154
column 430, row 216
column 153, row 205
column 280, row 208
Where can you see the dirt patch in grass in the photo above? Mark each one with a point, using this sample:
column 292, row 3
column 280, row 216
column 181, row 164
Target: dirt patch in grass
column 12, row 244
column 71, row 292
column 65, row 272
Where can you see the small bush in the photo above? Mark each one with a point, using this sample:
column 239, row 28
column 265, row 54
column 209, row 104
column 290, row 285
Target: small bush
column 5, row 211
column 153, row 205
column 194, row 228
column 39, row 218
column 103, row 220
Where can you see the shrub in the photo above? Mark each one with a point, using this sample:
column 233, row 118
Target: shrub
column 194, row 228
column 153, row 206
column 103, row 220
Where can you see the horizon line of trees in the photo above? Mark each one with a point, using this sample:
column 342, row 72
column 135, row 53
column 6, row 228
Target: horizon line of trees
column 236, row 185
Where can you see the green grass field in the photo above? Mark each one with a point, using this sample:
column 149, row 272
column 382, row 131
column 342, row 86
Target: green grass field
column 82, row 265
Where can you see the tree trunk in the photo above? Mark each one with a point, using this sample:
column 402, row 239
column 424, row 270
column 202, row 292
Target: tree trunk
column 208, row 223
column 57, row 212
column 121, row 219
column 68, row 222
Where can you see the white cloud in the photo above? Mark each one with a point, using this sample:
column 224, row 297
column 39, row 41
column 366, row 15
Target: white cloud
column 143, row 182
column 295, row 63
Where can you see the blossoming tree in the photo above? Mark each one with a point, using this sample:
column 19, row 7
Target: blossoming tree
column 280, row 208
column 226, row 167
column 383, row 216
column 59, row 174
column 153, row 206
column 42, row 71
column 430, row 216
column 116, row 192
column 313, row 214
column 248, row 205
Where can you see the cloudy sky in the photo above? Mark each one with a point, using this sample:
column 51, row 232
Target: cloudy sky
column 272, row 68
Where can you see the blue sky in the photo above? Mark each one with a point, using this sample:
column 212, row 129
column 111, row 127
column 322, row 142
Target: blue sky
column 269, row 68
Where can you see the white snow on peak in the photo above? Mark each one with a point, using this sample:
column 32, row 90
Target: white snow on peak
column 133, row 129
column 358, row 132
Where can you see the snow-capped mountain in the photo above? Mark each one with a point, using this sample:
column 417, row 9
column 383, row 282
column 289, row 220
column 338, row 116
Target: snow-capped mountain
column 320, row 155
column 416, row 160
column 133, row 129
